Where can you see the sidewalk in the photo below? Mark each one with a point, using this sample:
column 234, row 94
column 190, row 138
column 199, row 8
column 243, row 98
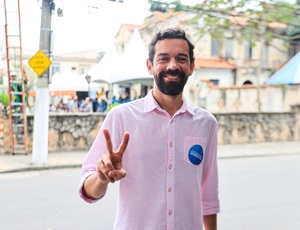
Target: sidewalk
column 17, row 163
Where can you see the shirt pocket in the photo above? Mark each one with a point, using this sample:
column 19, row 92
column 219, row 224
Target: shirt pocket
column 194, row 150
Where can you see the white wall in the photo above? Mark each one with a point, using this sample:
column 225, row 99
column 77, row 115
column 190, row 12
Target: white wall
column 225, row 76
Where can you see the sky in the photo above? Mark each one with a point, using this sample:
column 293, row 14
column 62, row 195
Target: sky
column 85, row 25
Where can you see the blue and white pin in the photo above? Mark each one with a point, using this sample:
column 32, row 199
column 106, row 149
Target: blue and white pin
column 196, row 154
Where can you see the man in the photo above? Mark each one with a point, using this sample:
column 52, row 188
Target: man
column 72, row 105
column 17, row 97
column 17, row 86
column 88, row 106
column 168, row 169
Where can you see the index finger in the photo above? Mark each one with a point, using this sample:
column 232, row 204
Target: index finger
column 109, row 145
column 124, row 143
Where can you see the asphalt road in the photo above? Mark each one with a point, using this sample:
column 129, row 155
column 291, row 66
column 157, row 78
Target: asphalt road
column 257, row 193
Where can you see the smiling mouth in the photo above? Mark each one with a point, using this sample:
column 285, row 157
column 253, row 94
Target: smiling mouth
column 172, row 77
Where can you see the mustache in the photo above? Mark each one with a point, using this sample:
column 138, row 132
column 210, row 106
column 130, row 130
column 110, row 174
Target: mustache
column 171, row 72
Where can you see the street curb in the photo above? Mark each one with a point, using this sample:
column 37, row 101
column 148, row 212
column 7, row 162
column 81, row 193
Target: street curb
column 40, row 168
column 258, row 155
column 66, row 166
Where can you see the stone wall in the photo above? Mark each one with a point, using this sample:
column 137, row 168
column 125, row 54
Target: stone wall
column 4, row 134
column 69, row 131
column 257, row 127
column 72, row 132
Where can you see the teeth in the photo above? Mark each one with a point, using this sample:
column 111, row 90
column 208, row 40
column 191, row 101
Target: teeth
column 173, row 77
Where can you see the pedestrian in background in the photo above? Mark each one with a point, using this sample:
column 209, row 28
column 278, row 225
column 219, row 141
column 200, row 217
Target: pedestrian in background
column 95, row 104
column 167, row 171
column 16, row 87
column 88, row 105
column 72, row 105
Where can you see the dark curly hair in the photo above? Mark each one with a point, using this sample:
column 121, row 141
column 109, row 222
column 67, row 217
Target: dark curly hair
column 173, row 32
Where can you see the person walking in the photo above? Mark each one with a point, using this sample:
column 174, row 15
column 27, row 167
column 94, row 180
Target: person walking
column 161, row 149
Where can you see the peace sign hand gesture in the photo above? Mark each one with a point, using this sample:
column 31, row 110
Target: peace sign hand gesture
column 110, row 164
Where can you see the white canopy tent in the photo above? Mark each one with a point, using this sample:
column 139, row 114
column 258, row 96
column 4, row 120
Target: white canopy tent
column 105, row 70
column 133, row 67
column 129, row 68
column 69, row 81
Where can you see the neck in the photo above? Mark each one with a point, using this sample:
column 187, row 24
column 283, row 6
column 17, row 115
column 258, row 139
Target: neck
column 171, row 104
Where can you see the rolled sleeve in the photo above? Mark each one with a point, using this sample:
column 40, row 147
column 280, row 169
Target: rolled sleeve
column 85, row 173
column 210, row 180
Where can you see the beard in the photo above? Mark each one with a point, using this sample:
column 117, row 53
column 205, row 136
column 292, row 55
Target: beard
column 170, row 87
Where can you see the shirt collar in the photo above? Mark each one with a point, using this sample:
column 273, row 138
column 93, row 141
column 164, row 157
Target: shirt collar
column 151, row 104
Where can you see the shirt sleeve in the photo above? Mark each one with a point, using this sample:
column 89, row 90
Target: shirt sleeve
column 98, row 148
column 209, row 187
column 81, row 194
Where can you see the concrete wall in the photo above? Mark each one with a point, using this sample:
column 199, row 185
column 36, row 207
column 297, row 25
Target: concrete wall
column 72, row 132
column 225, row 76
column 244, row 99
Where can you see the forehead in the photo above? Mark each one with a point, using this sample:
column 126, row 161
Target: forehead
column 171, row 47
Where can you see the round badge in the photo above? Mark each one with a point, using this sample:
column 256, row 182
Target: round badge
column 196, row 154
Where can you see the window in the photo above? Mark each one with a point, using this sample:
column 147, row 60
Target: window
column 229, row 48
column 292, row 51
column 214, row 81
column 83, row 69
column 55, row 68
column 248, row 51
column 265, row 56
column 214, row 47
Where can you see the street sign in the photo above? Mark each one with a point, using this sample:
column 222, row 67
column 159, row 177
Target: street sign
column 39, row 62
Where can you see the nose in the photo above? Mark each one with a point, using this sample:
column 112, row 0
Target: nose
column 173, row 64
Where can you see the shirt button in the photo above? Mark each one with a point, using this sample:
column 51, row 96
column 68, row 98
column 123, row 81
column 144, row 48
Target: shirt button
column 170, row 166
column 171, row 144
column 170, row 189
column 170, row 213
column 171, row 121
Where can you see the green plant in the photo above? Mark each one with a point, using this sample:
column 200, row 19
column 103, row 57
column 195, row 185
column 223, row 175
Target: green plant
column 4, row 98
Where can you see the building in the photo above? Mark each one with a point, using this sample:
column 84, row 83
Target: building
column 222, row 62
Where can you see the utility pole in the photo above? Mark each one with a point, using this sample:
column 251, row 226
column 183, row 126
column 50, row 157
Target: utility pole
column 41, row 113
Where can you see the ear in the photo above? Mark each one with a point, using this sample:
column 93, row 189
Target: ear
column 192, row 68
column 149, row 67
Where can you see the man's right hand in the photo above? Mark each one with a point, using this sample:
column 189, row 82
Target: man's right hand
column 110, row 164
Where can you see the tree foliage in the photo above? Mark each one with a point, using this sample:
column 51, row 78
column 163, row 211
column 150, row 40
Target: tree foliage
column 246, row 20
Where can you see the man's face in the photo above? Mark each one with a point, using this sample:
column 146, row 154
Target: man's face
column 171, row 66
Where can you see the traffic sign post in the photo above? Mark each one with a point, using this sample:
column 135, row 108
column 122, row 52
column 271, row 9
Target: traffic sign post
column 39, row 62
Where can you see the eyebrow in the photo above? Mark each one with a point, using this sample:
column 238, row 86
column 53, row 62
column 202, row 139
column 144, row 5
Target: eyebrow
column 166, row 54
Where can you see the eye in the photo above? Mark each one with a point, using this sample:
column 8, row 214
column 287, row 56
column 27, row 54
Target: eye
column 182, row 60
column 162, row 59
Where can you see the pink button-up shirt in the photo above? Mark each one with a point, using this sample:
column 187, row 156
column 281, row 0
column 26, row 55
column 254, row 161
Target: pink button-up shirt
column 171, row 165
